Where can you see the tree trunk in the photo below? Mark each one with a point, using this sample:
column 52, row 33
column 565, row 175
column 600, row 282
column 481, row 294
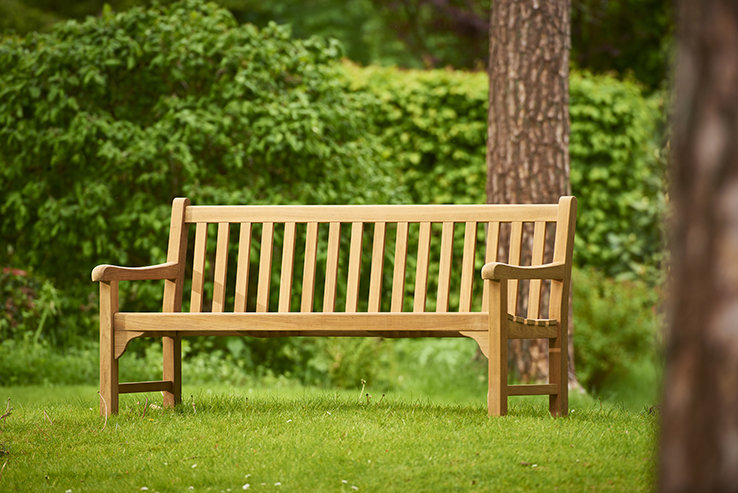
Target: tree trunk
column 528, row 125
column 699, row 437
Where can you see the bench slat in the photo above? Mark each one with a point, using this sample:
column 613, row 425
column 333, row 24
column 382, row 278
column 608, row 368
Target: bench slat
column 375, row 281
column 354, row 267
column 331, row 268
column 308, row 273
column 398, row 277
column 490, row 255
column 265, row 267
column 444, row 266
column 288, row 262
column 530, row 389
column 242, row 268
column 221, row 267
column 198, row 267
column 370, row 213
column 516, row 244
column 534, row 287
column 421, row 271
column 467, row 266
column 303, row 322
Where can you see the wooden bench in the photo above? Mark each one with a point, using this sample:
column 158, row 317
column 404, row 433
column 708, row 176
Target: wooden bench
column 507, row 305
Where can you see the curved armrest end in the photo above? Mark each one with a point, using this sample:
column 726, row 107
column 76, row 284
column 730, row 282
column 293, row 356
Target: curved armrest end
column 497, row 271
column 106, row 272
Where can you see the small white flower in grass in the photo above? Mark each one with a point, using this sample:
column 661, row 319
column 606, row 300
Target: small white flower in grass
column 353, row 487
column 277, row 484
column 68, row 491
column 344, row 481
column 144, row 488
column 246, row 486
column 289, row 421
column 194, row 466
column 247, row 476
column 534, row 465
column 191, row 488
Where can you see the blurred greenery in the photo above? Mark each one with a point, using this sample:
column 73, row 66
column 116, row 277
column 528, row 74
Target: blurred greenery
column 631, row 38
column 103, row 121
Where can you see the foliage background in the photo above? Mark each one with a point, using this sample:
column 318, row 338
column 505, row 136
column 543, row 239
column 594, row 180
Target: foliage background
column 104, row 121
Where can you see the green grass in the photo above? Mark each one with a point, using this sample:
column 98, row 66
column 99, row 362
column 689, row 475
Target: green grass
column 306, row 439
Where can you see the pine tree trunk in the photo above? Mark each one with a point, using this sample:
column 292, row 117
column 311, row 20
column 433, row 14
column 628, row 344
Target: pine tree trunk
column 528, row 125
column 699, row 437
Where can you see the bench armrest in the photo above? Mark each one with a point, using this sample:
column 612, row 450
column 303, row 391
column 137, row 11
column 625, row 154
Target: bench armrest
column 498, row 271
column 167, row 270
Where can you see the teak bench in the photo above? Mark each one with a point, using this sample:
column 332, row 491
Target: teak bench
column 487, row 313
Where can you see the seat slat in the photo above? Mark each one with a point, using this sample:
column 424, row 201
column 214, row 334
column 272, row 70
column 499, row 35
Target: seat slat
column 375, row 281
column 331, row 268
column 516, row 244
column 303, row 322
column 354, row 267
column 288, row 262
column 467, row 266
column 398, row 276
column 534, row 288
column 308, row 273
column 242, row 268
column 198, row 267
column 221, row 267
column 265, row 267
column 444, row 266
column 421, row 271
column 490, row 255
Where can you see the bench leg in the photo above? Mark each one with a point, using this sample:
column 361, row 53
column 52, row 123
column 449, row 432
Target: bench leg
column 558, row 373
column 108, row 363
column 172, row 348
column 497, row 358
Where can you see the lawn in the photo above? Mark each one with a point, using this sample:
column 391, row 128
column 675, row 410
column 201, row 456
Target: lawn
column 289, row 438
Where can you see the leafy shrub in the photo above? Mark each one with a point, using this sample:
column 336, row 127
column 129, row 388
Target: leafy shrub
column 617, row 331
column 433, row 124
column 30, row 306
column 103, row 122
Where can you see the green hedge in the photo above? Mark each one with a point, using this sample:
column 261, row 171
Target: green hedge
column 433, row 124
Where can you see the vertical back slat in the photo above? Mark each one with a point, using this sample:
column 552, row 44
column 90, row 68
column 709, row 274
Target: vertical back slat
column 444, row 266
column 265, row 268
column 198, row 267
column 221, row 267
column 398, row 276
column 534, row 288
column 331, row 268
column 467, row 266
column 490, row 255
column 516, row 243
column 288, row 263
column 421, row 271
column 308, row 273
column 375, row 280
column 242, row 268
column 354, row 267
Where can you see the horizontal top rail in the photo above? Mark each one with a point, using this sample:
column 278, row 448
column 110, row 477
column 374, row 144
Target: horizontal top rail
column 369, row 213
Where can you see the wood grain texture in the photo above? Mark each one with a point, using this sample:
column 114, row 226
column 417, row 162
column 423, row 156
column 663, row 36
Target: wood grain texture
column 444, row 266
column 467, row 266
column 398, row 276
column 265, row 267
column 198, row 267
column 221, row 267
column 288, row 264
column 375, row 280
column 331, row 267
column 308, row 272
column 354, row 267
column 243, row 265
column 421, row 270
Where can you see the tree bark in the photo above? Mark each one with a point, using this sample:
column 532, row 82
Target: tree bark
column 528, row 125
column 699, row 437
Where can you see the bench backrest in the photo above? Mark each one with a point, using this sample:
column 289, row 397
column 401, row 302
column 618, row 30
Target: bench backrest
column 360, row 258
